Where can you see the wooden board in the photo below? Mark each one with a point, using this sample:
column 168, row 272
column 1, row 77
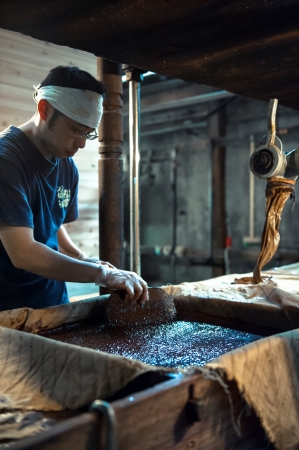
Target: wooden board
column 249, row 48
column 181, row 414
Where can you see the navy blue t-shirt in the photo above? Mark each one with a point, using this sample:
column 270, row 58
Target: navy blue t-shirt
column 39, row 194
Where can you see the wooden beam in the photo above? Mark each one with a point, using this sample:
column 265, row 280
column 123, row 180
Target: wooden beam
column 111, row 178
column 217, row 125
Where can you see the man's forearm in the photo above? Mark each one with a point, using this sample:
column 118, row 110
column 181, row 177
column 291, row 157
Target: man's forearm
column 48, row 263
column 66, row 245
column 27, row 254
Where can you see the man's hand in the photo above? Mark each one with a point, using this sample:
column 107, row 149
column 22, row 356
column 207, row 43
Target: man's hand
column 135, row 287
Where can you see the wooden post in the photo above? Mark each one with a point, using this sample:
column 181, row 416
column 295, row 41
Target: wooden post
column 111, row 174
column 217, row 125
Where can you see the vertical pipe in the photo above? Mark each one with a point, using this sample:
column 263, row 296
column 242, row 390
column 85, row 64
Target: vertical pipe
column 173, row 169
column 134, row 112
column 173, row 163
column 251, row 191
column 110, row 166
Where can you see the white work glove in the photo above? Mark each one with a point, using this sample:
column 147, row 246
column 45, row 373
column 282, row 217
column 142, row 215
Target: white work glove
column 85, row 258
column 135, row 287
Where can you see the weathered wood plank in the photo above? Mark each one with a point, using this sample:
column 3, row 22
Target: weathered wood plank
column 158, row 419
column 17, row 98
column 13, row 117
column 80, row 433
column 14, row 46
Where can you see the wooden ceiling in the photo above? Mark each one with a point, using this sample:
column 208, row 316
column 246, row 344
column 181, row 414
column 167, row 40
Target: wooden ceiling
column 249, row 47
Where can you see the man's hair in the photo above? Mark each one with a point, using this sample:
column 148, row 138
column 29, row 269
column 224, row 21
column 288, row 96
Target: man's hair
column 71, row 77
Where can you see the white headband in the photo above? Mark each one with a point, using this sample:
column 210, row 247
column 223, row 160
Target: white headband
column 83, row 106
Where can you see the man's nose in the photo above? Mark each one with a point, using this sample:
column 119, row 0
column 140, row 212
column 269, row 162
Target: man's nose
column 81, row 142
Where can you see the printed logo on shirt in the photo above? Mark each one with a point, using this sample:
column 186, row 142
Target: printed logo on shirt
column 63, row 196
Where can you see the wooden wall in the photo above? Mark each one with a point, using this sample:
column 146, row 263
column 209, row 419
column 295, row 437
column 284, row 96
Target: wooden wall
column 25, row 62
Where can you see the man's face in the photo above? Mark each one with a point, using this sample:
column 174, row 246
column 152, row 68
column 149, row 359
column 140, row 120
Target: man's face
column 63, row 138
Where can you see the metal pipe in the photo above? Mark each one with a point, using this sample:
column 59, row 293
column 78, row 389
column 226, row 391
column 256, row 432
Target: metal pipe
column 185, row 102
column 251, row 191
column 105, row 410
column 180, row 127
column 173, row 182
column 134, row 113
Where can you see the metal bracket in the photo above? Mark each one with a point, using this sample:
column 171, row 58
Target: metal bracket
column 192, row 409
column 107, row 412
column 268, row 160
column 133, row 73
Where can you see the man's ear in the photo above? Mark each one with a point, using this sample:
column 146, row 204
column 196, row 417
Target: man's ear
column 43, row 108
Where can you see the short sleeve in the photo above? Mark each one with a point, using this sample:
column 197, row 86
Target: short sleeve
column 72, row 211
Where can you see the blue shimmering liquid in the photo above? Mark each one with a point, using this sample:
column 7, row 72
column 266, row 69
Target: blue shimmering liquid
column 177, row 344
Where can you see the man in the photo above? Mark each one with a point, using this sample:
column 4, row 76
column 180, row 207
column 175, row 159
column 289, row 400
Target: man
column 38, row 194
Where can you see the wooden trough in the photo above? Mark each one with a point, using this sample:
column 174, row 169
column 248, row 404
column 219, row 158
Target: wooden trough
column 161, row 411
column 191, row 412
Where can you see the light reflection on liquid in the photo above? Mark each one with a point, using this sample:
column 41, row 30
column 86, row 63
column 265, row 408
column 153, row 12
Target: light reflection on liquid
column 178, row 344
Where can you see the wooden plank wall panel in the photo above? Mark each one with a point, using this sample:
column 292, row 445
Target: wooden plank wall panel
column 25, row 62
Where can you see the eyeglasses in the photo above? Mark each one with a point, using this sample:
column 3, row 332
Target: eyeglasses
column 80, row 134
